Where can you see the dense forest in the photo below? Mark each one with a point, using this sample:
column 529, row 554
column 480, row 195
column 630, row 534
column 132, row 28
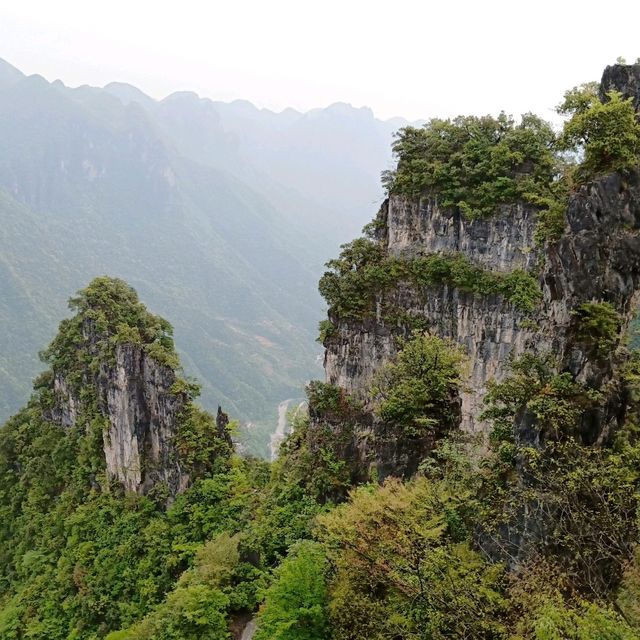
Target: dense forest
column 126, row 513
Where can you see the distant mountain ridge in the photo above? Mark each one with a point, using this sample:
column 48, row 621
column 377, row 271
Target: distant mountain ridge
column 317, row 154
column 220, row 215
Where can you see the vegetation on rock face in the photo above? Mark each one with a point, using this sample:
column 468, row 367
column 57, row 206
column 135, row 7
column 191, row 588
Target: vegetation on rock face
column 550, row 219
column 329, row 399
column 598, row 323
column 554, row 400
column 78, row 558
column 107, row 313
column 476, row 164
column 199, row 441
column 588, row 496
column 419, row 390
column 608, row 133
column 326, row 329
column 320, row 457
column 362, row 272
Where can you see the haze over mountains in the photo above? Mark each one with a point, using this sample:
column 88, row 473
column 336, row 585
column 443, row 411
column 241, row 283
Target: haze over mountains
column 220, row 215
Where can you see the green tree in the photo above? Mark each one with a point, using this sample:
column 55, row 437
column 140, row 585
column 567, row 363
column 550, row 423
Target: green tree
column 607, row 132
column 535, row 386
column 418, row 390
column 579, row 99
column 401, row 570
column 196, row 609
column 475, row 163
column 295, row 607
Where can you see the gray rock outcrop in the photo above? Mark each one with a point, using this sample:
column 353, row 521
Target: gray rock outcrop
column 141, row 411
column 132, row 394
column 624, row 78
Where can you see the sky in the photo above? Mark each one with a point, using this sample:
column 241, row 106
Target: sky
column 416, row 59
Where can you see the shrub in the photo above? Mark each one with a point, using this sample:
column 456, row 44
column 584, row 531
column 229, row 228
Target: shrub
column 551, row 220
column 326, row 398
column 326, row 329
column 598, row 323
column 520, row 288
column 555, row 400
column 352, row 286
column 607, row 132
column 418, row 391
column 295, row 606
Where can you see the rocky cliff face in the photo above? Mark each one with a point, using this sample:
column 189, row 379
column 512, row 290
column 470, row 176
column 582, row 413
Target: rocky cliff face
column 115, row 380
column 596, row 260
column 489, row 327
column 134, row 397
column 141, row 411
column 623, row 78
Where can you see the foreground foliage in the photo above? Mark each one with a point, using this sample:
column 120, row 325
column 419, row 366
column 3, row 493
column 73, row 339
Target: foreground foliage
column 427, row 558
column 296, row 602
column 402, row 567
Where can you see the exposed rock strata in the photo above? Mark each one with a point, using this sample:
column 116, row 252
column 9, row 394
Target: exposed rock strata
column 134, row 397
column 596, row 260
column 489, row 327
column 141, row 411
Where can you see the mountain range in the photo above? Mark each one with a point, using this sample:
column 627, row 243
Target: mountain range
column 220, row 214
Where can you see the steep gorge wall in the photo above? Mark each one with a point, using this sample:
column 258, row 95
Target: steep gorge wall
column 597, row 259
column 141, row 412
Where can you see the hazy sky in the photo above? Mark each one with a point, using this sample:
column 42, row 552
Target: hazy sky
column 411, row 58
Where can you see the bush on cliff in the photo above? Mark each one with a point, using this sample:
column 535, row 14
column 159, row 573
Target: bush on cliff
column 357, row 280
column 419, row 390
column 476, row 164
column 607, row 133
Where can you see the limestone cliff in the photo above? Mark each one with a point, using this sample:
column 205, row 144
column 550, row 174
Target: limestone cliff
column 489, row 327
column 623, row 78
column 597, row 259
column 141, row 410
column 117, row 375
